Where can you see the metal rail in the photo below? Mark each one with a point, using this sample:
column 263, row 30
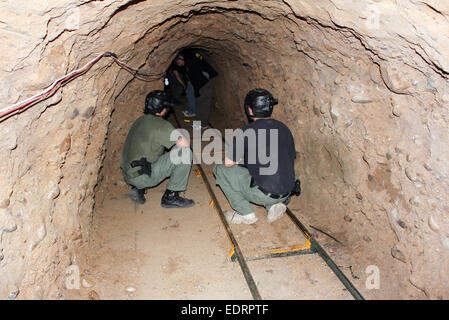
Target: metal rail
column 318, row 249
column 240, row 258
column 237, row 253
column 236, row 249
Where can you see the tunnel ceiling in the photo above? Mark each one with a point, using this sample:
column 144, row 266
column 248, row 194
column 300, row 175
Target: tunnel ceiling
column 362, row 84
column 134, row 29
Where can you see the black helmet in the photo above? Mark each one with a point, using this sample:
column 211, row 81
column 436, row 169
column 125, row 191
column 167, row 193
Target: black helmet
column 261, row 102
column 156, row 101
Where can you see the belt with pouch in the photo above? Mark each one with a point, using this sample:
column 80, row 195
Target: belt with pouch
column 143, row 167
column 271, row 195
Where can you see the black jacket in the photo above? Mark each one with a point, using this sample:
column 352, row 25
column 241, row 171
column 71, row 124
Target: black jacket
column 196, row 65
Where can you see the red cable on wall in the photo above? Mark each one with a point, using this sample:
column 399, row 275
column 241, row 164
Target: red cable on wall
column 68, row 77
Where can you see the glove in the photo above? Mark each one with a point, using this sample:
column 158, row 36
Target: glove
column 145, row 166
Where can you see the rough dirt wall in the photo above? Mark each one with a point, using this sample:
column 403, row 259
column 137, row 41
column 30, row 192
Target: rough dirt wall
column 362, row 84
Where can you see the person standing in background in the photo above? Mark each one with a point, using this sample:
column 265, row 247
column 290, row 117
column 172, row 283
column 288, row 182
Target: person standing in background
column 179, row 83
column 202, row 75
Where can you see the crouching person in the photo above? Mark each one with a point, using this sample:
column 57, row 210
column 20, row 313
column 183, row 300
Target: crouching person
column 144, row 163
column 259, row 164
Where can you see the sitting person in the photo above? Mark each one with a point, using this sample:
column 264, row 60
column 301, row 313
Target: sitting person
column 144, row 163
column 247, row 176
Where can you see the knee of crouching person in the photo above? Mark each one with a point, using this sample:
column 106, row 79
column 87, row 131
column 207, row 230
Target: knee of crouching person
column 181, row 156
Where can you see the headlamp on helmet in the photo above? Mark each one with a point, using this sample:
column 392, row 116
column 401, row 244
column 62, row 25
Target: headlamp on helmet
column 261, row 102
column 156, row 101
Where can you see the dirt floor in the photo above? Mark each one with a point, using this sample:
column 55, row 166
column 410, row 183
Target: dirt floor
column 173, row 254
column 148, row 252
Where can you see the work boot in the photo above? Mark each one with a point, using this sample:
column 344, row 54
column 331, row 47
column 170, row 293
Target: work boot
column 276, row 211
column 137, row 195
column 234, row 217
column 171, row 199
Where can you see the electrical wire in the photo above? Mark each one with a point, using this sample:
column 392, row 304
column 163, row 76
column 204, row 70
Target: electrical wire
column 70, row 76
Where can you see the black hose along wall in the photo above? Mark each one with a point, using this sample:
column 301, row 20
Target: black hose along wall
column 356, row 100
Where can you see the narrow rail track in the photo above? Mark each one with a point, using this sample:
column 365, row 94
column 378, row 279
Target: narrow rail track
column 236, row 254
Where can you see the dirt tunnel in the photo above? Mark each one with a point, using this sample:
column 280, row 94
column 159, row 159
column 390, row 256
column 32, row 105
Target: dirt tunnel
column 362, row 86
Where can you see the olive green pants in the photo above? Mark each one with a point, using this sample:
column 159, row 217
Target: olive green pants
column 161, row 169
column 235, row 182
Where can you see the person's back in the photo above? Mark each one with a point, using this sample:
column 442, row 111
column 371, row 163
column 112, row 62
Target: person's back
column 148, row 138
column 199, row 70
column 259, row 164
column 272, row 168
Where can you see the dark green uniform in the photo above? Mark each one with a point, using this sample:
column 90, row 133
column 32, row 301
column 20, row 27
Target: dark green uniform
column 148, row 137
